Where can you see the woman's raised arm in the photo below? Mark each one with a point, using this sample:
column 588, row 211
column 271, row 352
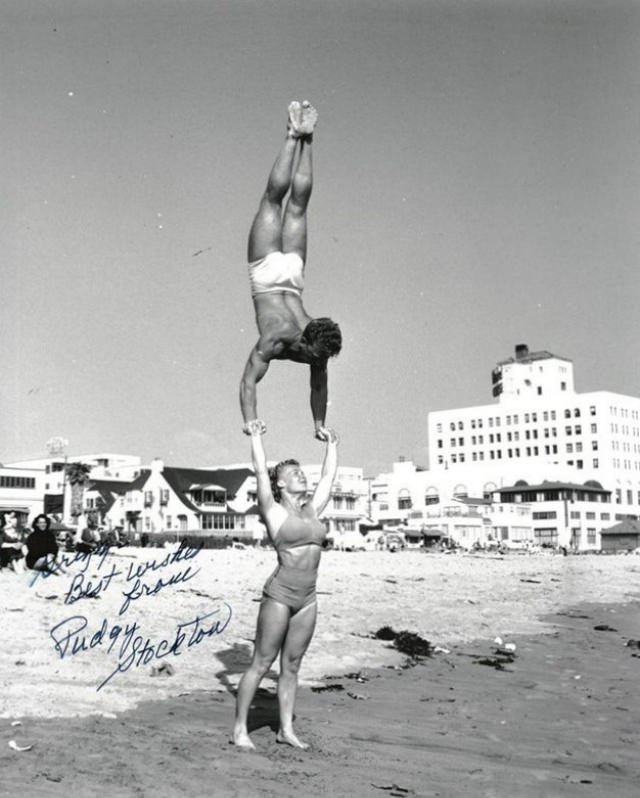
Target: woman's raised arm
column 258, row 457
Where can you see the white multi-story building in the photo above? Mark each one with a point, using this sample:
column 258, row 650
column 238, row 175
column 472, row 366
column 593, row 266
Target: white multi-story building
column 54, row 495
column 540, row 434
column 540, row 429
column 22, row 492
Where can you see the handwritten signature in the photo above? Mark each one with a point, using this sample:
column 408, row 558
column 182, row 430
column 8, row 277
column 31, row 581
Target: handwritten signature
column 71, row 637
column 82, row 586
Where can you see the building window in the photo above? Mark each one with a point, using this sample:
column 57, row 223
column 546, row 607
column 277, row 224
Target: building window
column 594, row 428
column 592, row 410
column 563, row 386
column 567, row 413
column 404, row 500
column 595, row 462
column 17, row 482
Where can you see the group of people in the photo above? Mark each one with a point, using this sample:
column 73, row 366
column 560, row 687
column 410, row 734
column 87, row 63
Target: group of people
column 36, row 552
column 277, row 254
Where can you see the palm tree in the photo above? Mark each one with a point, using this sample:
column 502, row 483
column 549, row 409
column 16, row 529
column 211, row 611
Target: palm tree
column 77, row 475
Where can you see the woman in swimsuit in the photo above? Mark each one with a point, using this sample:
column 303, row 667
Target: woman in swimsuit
column 287, row 615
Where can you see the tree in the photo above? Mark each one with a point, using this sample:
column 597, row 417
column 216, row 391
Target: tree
column 77, row 475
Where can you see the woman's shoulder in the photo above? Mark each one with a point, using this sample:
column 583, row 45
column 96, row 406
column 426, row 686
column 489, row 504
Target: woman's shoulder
column 276, row 515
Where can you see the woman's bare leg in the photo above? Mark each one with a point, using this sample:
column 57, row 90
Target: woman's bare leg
column 273, row 621
column 301, row 627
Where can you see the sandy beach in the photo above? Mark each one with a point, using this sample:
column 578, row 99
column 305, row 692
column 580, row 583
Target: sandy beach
column 560, row 719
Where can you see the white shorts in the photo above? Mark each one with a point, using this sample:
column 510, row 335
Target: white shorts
column 277, row 271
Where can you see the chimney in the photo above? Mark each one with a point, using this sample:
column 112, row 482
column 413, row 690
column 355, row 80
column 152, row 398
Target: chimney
column 522, row 350
column 157, row 465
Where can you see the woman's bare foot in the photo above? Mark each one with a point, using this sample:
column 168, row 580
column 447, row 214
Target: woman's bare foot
column 242, row 740
column 289, row 738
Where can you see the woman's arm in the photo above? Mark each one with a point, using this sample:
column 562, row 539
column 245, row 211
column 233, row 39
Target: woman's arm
column 322, row 492
column 265, row 496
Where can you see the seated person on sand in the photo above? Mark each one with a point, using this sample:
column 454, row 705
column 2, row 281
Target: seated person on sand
column 277, row 251
column 42, row 546
column 11, row 545
column 287, row 614
column 90, row 538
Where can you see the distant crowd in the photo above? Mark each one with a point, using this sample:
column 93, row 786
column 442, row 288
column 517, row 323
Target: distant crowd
column 37, row 547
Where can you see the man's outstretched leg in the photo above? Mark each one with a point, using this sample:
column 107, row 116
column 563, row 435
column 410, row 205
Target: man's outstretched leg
column 294, row 221
column 265, row 235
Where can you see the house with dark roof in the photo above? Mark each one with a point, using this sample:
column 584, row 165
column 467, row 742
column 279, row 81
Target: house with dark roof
column 166, row 499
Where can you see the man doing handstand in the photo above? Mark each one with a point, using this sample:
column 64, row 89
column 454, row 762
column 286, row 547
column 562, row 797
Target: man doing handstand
column 277, row 252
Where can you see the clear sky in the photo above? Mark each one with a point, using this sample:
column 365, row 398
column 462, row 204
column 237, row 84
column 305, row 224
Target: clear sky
column 477, row 186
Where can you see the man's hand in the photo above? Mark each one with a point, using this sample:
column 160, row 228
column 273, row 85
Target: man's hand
column 254, row 427
column 326, row 434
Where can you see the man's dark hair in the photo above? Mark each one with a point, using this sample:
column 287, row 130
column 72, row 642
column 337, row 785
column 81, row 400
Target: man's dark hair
column 274, row 476
column 326, row 333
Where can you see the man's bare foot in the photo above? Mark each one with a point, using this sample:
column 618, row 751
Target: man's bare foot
column 295, row 118
column 242, row 740
column 309, row 118
column 289, row 738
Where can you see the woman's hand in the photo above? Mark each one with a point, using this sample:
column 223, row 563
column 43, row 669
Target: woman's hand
column 327, row 434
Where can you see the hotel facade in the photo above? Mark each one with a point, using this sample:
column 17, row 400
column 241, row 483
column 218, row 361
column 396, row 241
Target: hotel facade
column 574, row 458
